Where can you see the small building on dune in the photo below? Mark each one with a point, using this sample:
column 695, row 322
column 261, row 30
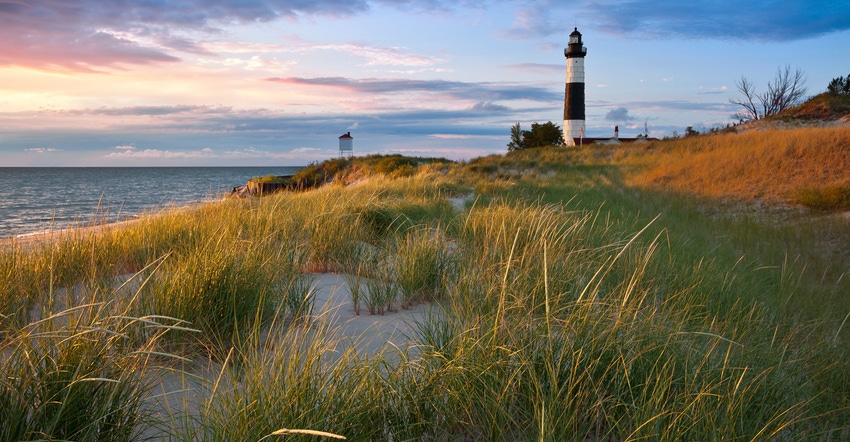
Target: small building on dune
column 346, row 145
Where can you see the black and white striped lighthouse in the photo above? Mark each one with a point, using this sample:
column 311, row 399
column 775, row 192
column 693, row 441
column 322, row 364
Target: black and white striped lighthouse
column 574, row 95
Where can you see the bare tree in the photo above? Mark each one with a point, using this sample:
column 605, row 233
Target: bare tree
column 786, row 90
column 746, row 88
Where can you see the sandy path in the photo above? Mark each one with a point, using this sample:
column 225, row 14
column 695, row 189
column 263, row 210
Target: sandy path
column 372, row 332
column 178, row 393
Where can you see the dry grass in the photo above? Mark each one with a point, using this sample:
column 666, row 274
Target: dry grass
column 769, row 165
column 565, row 308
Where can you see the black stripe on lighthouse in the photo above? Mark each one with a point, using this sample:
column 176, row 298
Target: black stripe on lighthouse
column 574, row 102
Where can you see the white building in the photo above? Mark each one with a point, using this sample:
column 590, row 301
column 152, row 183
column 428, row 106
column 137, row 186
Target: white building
column 346, row 145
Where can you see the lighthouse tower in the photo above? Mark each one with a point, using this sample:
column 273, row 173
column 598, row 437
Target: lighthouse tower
column 574, row 95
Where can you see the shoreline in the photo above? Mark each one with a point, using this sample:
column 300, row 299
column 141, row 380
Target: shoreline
column 96, row 221
column 88, row 226
column 42, row 199
column 28, row 240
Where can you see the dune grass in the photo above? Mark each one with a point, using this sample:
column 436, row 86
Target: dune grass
column 770, row 165
column 568, row 303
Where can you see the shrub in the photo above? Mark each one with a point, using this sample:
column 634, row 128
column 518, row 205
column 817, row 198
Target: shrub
column 828, row 198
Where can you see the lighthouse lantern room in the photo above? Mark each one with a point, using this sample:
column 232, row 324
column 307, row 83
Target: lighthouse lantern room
column 574, row 94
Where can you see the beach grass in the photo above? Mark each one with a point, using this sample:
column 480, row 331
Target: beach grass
column 568, row 299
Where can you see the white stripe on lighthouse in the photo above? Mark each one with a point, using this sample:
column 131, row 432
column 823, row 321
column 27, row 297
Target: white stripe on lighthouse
column 575, row 70
column 574, row 128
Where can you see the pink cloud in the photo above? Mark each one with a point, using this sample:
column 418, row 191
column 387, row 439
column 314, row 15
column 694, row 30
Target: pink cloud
column 59, row 51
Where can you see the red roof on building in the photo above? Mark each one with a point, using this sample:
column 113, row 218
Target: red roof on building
column 346, row 135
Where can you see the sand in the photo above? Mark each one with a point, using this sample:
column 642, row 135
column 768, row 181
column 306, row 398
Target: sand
column 177, row 393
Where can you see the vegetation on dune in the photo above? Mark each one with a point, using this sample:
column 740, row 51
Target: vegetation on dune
column 839, row 86
column 776, row 166
column 344, row 170
column 540, row 135
column 573, row 297
column 822, row 107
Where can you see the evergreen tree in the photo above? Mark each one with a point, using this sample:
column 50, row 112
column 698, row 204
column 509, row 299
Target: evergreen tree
column 540, row 135
column 546, row 134
column 839, row 86
column 516, row 138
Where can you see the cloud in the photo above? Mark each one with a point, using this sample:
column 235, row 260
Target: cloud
column 374, row 55
column 466, row 137
column 41, row 149
column 256, row 63
column 485, row 106
column 457, row 89
column 759, row 20
column 93, row 35
column 205, row 153
column 89, row 35
column 147, row 110
column 99, row 35
column 124, row 147
column 306, row 150
column 619, row 114
column 679, row 106
column 536, row 68
column 60, row 50
column 161, row 154
column 713, row 91
column 538, row 19
column 221, row 126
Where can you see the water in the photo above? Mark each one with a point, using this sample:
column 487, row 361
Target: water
column 36, row 199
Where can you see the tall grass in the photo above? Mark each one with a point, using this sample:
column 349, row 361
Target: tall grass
column 84, row 373
column 563, row 306
column 17, row 291
column 770, row 165
column 608, row 358
column 298, row 379
column 421, row 263
column 218, row 287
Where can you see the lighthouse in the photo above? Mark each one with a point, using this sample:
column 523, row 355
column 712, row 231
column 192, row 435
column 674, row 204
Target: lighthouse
column 574, row 95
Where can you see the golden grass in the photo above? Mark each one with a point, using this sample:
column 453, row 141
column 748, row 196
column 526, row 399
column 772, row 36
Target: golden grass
column 558, row 318
column 769, row 165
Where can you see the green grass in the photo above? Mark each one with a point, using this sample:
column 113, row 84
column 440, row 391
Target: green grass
column 828, row 198
column 565, row 305
column 85, row 373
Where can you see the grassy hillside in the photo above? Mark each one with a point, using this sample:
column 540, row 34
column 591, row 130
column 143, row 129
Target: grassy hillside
column 808, row 166
column 822, row 107
column 569, row 300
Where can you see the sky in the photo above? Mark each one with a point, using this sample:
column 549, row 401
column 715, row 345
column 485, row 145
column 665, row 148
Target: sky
column 276, row 82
